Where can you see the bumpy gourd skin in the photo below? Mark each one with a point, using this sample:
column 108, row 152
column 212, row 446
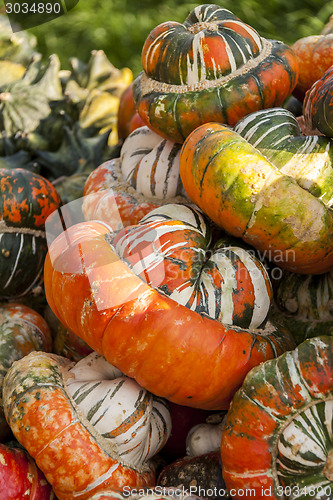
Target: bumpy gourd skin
column 22, row 330
column 170, row 350
column 241, row 191
column 52, row 423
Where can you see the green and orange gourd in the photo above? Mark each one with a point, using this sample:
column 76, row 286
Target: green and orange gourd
column 213, row 67
column 270, row 186
column 22, row 330
column 277, row 441
column 318, row 103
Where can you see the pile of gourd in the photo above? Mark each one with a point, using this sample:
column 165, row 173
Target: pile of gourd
column 166, row 326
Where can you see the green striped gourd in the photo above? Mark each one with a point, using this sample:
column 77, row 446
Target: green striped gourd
column 304, row 304
column 277, row 441
column 308, row 159
column 171, row 249
column 67, row 415
column 244, row 193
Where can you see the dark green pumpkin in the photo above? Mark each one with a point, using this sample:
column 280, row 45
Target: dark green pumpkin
column 26, row 200
column 200, row 475
column 304, row 304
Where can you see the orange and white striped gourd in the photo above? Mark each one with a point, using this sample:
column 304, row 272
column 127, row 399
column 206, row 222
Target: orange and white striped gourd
column 121, row 191
column 171, row 249
column 163, row 344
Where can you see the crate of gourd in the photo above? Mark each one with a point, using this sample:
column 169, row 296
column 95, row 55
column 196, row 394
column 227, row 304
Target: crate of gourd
column 166, row 256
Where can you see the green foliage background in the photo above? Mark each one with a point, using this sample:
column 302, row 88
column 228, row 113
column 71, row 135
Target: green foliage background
column 120, row 27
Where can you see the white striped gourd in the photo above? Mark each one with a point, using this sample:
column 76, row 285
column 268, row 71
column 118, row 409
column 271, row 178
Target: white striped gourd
column 133, row 420
column 121, row 191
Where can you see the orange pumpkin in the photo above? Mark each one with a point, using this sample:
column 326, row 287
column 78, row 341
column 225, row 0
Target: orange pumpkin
column 172, row 351
column 128, row 119
column 314, row 54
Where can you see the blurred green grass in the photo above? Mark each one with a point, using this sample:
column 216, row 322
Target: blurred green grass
column 120, row 27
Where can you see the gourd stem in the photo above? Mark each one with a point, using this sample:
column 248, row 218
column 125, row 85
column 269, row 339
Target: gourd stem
column 328, row 469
